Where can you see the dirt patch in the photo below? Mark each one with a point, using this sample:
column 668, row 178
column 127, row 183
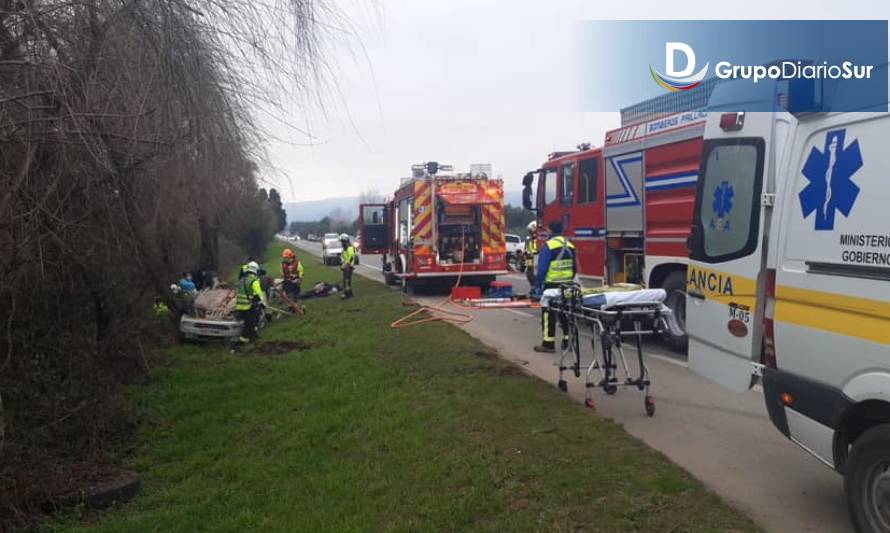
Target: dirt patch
column 49, row 482
column 112, row 485
column 280, row 347
column 487, row 354
column 506, row 369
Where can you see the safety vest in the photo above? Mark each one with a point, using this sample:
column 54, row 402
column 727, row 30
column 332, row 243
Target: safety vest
column 292, row 271
column 562, row 253
column 248, row 287
column 348, row 256
column 531, row 250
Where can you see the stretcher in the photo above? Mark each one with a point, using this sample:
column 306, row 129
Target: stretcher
column 611, row 317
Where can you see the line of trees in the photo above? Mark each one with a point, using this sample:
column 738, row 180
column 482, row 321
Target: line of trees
column 128, row 153
column 337, row 221
column 516, row 219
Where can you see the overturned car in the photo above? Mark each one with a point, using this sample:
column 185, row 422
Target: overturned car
column 211, row 315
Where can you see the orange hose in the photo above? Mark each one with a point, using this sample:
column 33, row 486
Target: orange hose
column 437, row 313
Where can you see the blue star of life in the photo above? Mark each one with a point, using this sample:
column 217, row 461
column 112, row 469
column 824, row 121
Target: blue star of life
column 722, row 205
column 830, row 174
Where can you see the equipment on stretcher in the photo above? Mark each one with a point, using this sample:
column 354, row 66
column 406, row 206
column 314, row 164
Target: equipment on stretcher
column 611, row 316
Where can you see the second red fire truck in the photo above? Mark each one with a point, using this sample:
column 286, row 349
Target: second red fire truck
column 628, row 205
column 439, row 227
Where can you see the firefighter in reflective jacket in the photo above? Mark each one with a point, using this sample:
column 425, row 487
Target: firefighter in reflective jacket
column 292, row 271
column 556, row 267
column 531, row 253
column 250, row 302
column 347, row 265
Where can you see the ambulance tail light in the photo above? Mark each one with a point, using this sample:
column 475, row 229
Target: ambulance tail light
column 768, row 355
column 732, row 121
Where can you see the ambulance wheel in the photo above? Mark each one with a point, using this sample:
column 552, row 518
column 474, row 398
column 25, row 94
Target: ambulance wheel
column 675, row 287
column 867, row 480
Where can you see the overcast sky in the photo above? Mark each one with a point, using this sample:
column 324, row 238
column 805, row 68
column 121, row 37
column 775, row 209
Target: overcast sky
column 464, row 82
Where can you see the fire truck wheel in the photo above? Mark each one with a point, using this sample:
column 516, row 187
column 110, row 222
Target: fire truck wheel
column 407, row 286
column 675, row 287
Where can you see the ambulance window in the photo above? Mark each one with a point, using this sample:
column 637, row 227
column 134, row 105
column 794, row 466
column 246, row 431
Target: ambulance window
column 567, row 184
column 587, row 181
column 550, row 186
column 729, row 199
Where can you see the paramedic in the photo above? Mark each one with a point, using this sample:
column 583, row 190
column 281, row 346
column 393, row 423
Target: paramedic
column 556, row 267
column 347, row 265
column 531, row 254
column 250, row 301
column 292, row 271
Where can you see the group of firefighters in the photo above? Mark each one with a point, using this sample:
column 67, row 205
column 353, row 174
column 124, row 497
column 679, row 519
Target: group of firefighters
column 553, row 266
column 252, row 298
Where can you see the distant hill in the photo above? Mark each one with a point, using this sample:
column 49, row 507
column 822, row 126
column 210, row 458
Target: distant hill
column 313, row 210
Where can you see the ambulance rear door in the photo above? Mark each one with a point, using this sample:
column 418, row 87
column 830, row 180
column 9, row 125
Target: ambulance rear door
column 724, row 278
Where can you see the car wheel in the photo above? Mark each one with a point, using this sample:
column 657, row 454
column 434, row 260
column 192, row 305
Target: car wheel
column 867, row 480
column 675, row 287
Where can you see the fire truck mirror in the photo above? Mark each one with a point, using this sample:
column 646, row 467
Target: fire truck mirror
column 527, row 191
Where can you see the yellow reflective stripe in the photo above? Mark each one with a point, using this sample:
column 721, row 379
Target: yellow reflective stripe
column 852, row 316
column 721, row 287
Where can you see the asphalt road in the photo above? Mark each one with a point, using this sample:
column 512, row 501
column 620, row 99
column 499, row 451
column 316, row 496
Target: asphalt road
column 724, row 439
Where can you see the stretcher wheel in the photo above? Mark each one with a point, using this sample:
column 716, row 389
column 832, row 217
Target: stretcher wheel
column 650, row 406
column 563, row 386
column 589, row 403
column 610, row 388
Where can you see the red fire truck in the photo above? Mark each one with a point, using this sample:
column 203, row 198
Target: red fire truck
column 438, row 226
column 628, row 205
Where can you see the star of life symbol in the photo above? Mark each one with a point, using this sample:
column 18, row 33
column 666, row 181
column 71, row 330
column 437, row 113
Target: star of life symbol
column 722, row 205
column 830, row 174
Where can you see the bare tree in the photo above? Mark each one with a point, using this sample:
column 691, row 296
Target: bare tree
column 128, row 152
column 370, row 196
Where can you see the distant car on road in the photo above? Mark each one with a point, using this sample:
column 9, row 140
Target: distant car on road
column 514, row 243
column 331, row 249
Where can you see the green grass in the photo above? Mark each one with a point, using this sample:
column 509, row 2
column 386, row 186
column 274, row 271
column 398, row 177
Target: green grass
column 377, row 429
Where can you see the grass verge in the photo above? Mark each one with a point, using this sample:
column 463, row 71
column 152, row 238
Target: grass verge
column 358, row 427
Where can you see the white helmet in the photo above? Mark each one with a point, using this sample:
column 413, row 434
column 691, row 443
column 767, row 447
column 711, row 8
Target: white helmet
column 532, row 226
column 252, row 267
column 344, row 237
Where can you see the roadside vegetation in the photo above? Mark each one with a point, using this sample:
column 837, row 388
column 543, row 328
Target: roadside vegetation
column 129, row 153
column 335, row 422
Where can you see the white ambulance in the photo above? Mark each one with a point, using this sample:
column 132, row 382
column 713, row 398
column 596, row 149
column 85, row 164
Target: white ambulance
column 789, row 279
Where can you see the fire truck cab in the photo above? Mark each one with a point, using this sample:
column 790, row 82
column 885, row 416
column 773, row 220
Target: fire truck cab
column 569, row 190
column 628, row 206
